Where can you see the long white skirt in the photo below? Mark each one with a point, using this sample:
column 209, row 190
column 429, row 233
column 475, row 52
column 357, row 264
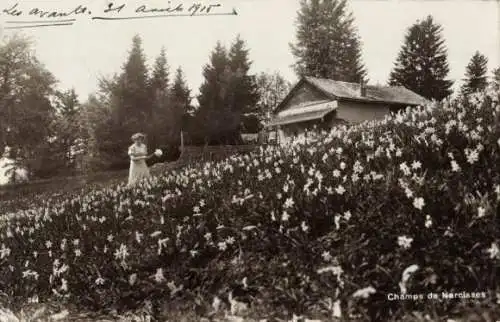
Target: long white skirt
column 138, row 170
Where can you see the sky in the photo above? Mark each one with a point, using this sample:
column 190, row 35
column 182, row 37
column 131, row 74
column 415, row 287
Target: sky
column 81, row 53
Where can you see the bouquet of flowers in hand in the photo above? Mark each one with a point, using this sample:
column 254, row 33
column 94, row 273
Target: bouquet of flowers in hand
column 158, row 153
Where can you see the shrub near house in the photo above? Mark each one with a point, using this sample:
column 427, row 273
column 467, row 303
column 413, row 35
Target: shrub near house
column 406, row 205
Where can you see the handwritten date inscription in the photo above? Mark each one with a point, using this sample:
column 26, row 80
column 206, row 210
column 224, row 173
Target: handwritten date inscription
column 113, row 9
column 193, row 9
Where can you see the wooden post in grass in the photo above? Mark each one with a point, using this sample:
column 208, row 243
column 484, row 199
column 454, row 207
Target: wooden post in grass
column 182, row 144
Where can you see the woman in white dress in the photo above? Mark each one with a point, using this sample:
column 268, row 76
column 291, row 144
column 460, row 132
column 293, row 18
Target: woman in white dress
column 138, row 155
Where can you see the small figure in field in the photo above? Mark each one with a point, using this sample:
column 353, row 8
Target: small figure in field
column 138, row 153
column 10, row 170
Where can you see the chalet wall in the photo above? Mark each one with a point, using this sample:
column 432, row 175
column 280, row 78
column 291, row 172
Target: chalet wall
column 354, row 112
column 303, row 94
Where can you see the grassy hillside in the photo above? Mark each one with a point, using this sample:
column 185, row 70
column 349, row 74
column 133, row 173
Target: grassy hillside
column 332, row 229
column 32, row 194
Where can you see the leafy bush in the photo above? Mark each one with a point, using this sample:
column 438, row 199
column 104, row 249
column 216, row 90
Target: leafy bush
column 335, row 226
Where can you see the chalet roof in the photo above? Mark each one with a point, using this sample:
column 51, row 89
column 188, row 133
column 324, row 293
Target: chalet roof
column 304, row 112
column 379, row 94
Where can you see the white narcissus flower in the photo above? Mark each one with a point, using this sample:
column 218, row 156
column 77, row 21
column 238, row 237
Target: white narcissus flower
column 472, row 156
column 340, row 190
column 159, row 277
column 364, row 292
column 4, row 252
column 405, row 169
column 428, row 221
column 64, row 285
column 304, row 227
column 99, row 281
column 122, row 252
column 416, row 165
column 216, row 304
column 289, row 203
column 337, row 311
column 405, row 242
column 408, row 192
column 326, row 256
column 337, row 221
column 336, row 270
column 481, row 212
column 132, row 279
column 138, row 237
column 59, row 316
column 494, row 251
column 156, row 233
column 222, row 246
column 408, row 272
column 419, row 203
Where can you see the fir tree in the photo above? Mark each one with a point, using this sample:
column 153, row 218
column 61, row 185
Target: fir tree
column 135, row 98
column 215, row 73
column 180, row 92
column 475, row 73
column 422, row 64
column 212, row 96
column 159, row 92
column 128, row 98
column 180, row 97
column 159, row 82
column 244, row 94
column 327, row 43
column 495, row 81
column 227, row 93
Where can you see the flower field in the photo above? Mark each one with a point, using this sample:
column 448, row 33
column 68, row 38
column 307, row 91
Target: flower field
column 330, row 229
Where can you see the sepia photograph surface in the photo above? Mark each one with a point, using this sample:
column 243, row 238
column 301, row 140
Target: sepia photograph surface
column 250, row 160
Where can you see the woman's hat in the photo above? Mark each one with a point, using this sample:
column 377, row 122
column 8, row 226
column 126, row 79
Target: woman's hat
column 138, row 136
